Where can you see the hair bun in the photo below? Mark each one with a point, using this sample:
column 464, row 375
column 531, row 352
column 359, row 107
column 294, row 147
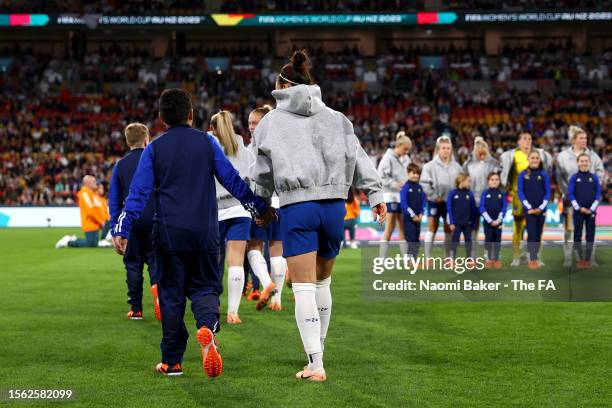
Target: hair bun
column 298, row 59
column 478, row 139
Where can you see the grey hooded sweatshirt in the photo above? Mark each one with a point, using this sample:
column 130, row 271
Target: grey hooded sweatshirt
column 307, row 151
column 243, row 162
column 392, row 171
column 479, row 172
column 567, row 165
column 438, row 178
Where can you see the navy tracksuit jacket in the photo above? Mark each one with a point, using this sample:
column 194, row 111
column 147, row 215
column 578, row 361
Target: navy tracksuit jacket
column 139, row 250
column 534, row 192
column 412, row 202
column 493, row 205
column 181, row 165
column 584, row 191
column 462, row 212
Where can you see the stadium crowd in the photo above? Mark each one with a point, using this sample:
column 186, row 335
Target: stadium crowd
column 175, row 7
column 52, row 134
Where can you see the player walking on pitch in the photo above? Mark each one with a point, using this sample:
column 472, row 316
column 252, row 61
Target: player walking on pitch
column 139, row 251
column 310, row 155
column 272, row 235
column 181, row 165
column 234, row 220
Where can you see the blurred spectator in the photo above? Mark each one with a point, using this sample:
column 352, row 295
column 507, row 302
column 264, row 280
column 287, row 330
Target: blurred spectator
column 52, row 136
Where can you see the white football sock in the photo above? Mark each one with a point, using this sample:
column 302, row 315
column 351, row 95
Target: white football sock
column 235, row 283
column 568, row 246
column 475, row 243
column 308, row 322
column 382, row 250
column 447, row 243
column 403, row 247
column 324, row 304
column 429, row 237
column 278, row 264
column 259, row 267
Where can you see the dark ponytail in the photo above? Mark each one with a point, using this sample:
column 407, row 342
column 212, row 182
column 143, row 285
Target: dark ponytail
column 297, row 71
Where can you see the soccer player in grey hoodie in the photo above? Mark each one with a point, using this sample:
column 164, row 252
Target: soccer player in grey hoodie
column 310, row 155
column 392, row 172
column 438, row 179
column 567, row 165
column 234, row 220
column 479, row 166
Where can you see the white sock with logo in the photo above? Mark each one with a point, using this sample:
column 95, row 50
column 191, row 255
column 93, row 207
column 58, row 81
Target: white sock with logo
column 278, row 264
column 308, row 322
column 324, row 304
column 235, row 283
column 259, row 267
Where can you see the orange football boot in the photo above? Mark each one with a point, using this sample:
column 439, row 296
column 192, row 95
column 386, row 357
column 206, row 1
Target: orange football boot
column 173, row 371
column 316, row 376
column 265, row 296
column 211, row 359
column 133, row 315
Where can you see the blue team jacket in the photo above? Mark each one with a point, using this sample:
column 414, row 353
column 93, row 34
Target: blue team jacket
column 493, row 205
column 123, row 172
column 584, row 191
column 534, row 189
column 181, row 165
column 412, row 199
column 461, row 207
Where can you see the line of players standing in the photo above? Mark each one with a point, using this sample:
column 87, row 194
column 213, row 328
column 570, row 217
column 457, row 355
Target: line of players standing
column 462, row 195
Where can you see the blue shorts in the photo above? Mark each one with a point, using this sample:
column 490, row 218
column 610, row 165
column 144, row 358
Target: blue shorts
column 394, row 208
column 313, row 226
column 436, row 210
column 271, row 233
column 235, row 229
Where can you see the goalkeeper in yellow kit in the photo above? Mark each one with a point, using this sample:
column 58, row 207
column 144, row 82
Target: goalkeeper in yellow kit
column 513, row 162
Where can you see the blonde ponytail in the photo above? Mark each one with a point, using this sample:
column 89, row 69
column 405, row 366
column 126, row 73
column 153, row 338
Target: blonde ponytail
column 221, row 123
column 401, row 139
column 262, row 110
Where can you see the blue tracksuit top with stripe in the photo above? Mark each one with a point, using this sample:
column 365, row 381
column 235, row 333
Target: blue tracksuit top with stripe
column 181, row 165
column 584, row 190
column 123, row 172
column 461, row 207
column 534, row 189
column 493, row 205
column 412, row 199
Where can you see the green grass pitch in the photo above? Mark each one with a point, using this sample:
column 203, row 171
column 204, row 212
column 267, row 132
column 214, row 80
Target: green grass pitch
column 63, row 326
